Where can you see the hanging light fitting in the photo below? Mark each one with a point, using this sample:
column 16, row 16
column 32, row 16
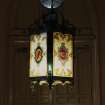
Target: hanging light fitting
column 51, row 48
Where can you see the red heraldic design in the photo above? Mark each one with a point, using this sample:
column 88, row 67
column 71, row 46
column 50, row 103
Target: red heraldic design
column 63, row 52
column 38, row 54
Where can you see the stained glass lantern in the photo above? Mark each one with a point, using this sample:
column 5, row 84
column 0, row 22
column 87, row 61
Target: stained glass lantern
column 51, row 51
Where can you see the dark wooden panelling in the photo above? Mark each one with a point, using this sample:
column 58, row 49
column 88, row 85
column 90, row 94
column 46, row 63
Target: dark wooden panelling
column 82, row 91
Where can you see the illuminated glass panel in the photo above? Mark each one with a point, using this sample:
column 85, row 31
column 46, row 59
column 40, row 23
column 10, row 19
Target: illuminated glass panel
column 62, row 55
column 38, row 55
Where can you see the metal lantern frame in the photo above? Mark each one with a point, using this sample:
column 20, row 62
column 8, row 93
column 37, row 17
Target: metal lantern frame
column 50, row 23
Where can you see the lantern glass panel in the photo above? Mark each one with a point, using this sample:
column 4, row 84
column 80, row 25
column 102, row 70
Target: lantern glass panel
column 38, row 55
column 62, row 55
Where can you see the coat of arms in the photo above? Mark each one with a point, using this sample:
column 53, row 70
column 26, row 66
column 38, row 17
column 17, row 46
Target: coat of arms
column 63, row 53
column 38, row 54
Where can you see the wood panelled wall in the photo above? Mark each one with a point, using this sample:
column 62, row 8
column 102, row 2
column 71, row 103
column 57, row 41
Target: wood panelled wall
column 83, row 91
column 13, row 14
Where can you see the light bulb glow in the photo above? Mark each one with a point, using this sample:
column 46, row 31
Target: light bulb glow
column 49, row 68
